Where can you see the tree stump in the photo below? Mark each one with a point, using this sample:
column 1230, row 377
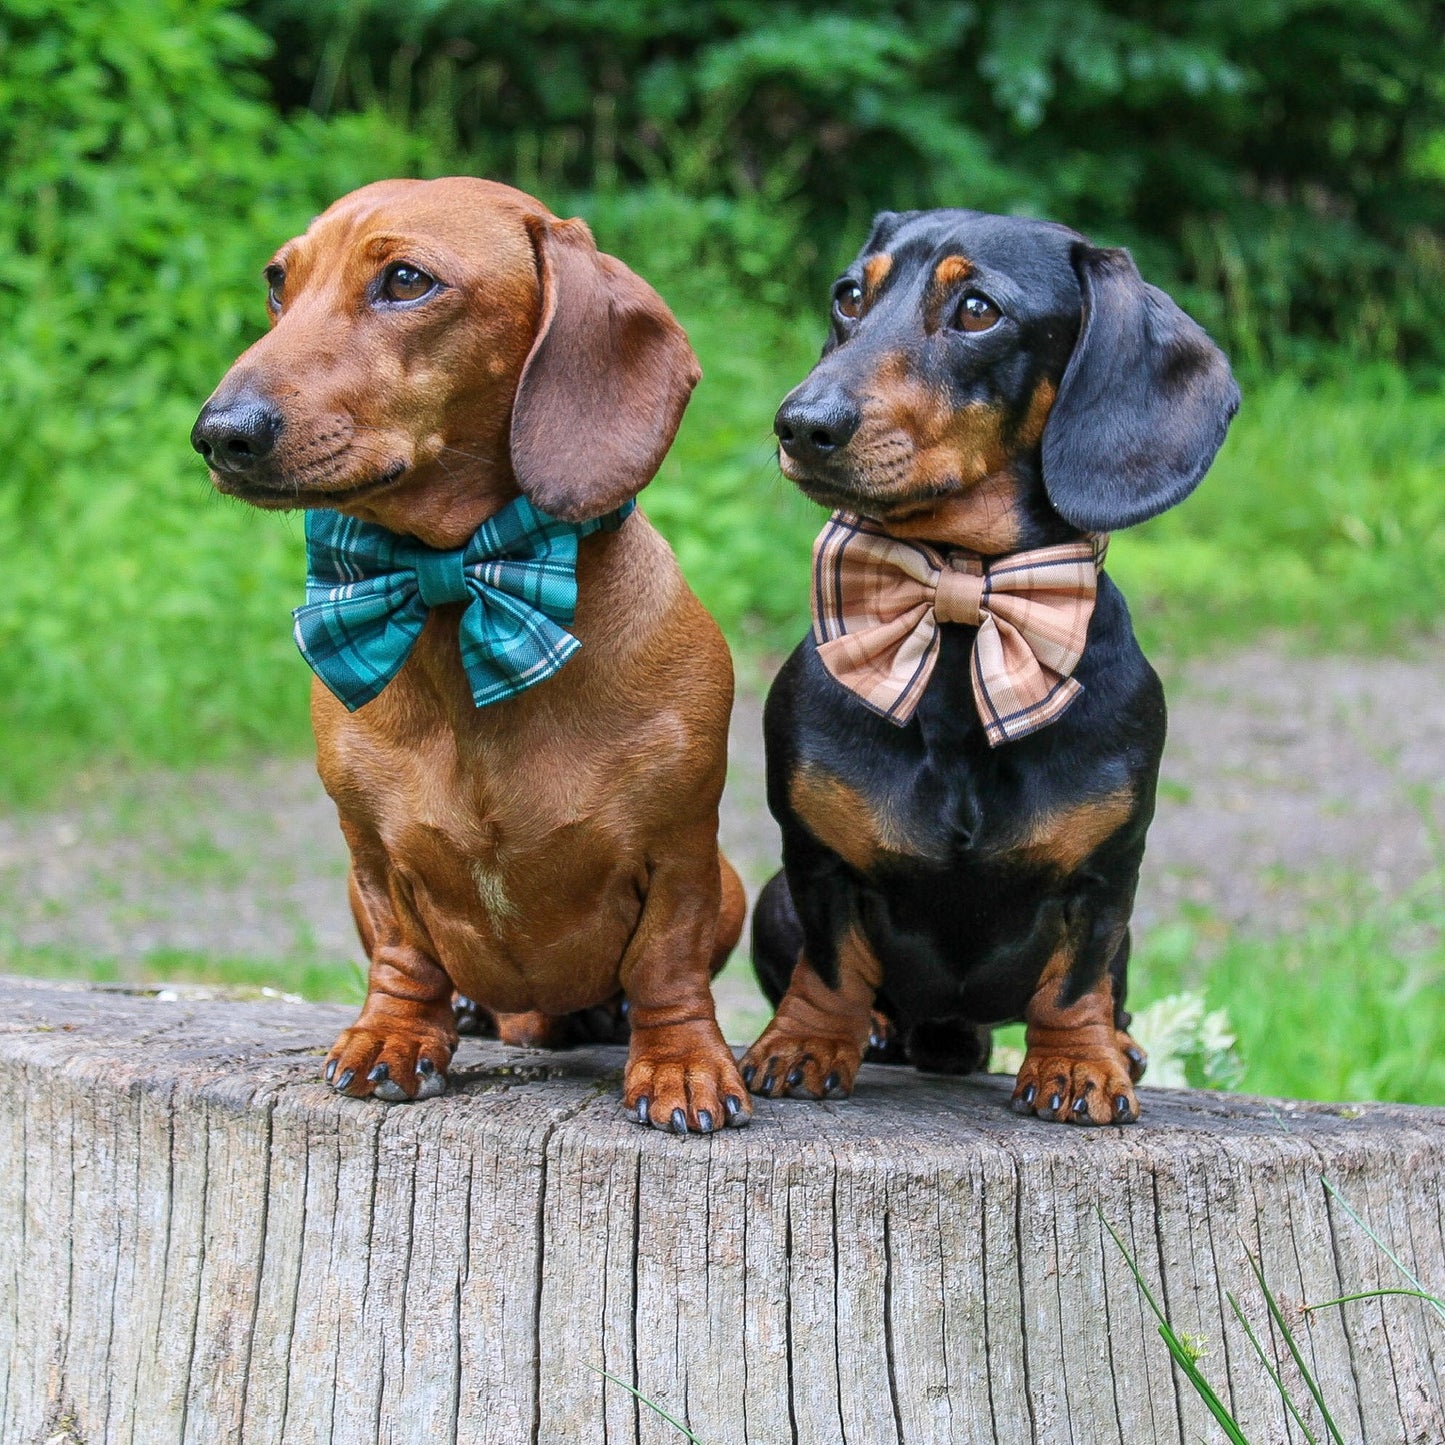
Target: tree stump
column 200, row 1242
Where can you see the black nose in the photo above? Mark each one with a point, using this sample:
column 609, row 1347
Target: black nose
column 238, row 434
column 810, row 429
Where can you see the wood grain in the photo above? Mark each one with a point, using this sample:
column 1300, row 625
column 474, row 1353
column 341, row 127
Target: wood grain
column 200, row 1242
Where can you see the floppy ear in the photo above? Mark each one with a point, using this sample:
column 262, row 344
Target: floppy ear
column 1143, row 406
column 605, row 384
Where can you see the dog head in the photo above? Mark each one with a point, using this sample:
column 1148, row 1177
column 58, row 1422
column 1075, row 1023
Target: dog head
column 436, row 346
column 1003, row 374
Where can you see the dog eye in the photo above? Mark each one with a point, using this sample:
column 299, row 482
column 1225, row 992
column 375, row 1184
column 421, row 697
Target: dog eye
column 848, row 298
column 276, row 282
column 977, row 313
column 406, row 283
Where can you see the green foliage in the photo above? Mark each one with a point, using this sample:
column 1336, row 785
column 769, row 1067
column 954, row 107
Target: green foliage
column 1348, row 1008
column 144, row 183
column 1323, row 515
column 146, row 180
column 1281, row 164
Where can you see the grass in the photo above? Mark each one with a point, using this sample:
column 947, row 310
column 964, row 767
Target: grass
column 1348, row 1008
column 1186, row 1352
column 321, row 980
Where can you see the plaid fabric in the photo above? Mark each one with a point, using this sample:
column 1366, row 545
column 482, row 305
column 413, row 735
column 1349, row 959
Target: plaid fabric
column 878, row 600
column 368, row 592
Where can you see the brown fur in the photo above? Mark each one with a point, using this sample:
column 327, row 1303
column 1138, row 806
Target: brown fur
column 542, row 853
column 951, row 270
column 926, row 463
column 875, row 273
column 845, row 821
column 1077, row 1063
column 816, row 1040
column 1063, row 840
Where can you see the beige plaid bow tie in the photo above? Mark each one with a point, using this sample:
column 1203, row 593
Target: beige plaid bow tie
column 878, row 600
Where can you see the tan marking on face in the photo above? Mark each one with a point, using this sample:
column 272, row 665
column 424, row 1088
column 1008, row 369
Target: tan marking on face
column 1041, row 403
column 913, row 440
column 1063, row 840
column 985, row 518
column 875, row 272
column 951, row 270
column 845, row 822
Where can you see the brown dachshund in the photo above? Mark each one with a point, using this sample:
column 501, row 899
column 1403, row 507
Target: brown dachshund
column 438, row 349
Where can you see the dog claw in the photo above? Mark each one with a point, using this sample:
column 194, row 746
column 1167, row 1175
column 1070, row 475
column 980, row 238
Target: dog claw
column 1056, row 1102
column 831, row 1082
column 795, row 1076
column 679, row 1122
column 425, row 1067
column 1121, row 1106
column 644, row 1110
column 704, row 1121
column 378, row 1073
column 749, row 1070
column 344, row 1082
column 733, row 1108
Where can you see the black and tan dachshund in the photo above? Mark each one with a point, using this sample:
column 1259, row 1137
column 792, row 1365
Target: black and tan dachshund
column 994, row 391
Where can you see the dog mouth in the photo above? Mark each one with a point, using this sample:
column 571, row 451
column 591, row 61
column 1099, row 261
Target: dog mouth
column 291, row 494
column 876, row 494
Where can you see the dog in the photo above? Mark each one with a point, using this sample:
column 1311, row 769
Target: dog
column 963, row 755
column 458, row 384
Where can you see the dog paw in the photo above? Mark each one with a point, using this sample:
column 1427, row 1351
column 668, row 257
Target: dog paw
column 473, row 1017
column 802, row 1068
column 1077, row 1091
column 682, row 1078
column 396, row 1067
column 885, row 1042
column 1135, row 1057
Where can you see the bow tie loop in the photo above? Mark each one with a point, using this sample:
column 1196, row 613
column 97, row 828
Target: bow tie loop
column 879, row 600
column 958, row 594
column 441, row 577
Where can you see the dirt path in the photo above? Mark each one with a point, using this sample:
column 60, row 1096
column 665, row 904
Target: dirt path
column 1282, row 775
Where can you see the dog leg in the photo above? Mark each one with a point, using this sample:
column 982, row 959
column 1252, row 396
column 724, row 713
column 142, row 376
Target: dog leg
column 815, row 1043
column 1078, row 1067
column 680, row 1073
column 731, row 913
column 1119, row 972
column 400, row 1046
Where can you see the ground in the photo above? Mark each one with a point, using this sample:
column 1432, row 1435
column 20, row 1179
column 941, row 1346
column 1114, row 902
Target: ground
column 1283, row 776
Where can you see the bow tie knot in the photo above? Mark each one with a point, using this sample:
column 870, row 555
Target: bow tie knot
column 879, row 601
column 958, row 595
column 369, row 591
column 441, row 577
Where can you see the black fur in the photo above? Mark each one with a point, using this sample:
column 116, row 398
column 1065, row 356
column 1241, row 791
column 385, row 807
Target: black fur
column 961, row 919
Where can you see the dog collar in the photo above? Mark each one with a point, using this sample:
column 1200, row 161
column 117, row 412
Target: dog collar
column 369, row 591
column 878, row 601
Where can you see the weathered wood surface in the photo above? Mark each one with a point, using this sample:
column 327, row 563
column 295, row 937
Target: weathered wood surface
column 199, row 1242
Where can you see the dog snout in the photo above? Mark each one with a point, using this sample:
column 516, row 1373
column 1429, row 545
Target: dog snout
column 237, row 434
column 813, row 428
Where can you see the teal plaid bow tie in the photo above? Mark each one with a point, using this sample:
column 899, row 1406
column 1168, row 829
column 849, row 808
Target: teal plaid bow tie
column 368, row 592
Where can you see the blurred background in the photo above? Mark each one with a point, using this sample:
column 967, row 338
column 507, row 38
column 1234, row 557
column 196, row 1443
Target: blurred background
column 1278, row 167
